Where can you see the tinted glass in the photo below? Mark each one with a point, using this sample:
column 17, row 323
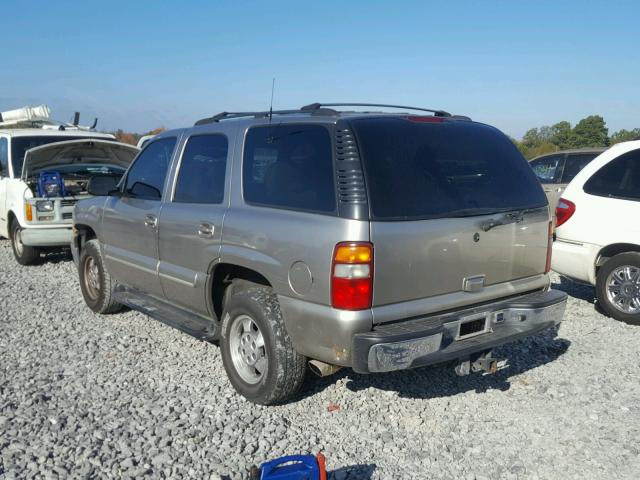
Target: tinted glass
column 289, row 166
column 202, row 170
column 146, row 176
column 4, row 157
column 454, row 168
column 574, row 163
column 619, row 178
column 546, row 168
column 19, row 145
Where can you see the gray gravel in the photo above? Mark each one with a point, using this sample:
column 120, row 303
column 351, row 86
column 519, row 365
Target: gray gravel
column 124, row 396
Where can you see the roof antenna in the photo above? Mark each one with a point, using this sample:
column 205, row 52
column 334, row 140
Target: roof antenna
column 273, row 85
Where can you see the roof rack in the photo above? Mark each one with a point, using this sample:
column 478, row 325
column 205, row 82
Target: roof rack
column 317, row 106
column 313, row 108
column 229, row 115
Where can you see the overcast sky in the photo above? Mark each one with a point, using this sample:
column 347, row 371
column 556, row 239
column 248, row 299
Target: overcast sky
column 139, row 65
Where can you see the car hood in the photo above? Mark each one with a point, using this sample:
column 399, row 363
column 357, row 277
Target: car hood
column 86, row 151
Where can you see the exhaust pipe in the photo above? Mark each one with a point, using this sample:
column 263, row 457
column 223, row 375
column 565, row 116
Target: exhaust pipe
column 323, row 369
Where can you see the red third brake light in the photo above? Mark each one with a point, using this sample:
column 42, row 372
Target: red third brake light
column 564, row 211
column 424, row 119
column 352, row 276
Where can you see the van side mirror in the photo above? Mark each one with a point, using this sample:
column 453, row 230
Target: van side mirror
column 102, row 185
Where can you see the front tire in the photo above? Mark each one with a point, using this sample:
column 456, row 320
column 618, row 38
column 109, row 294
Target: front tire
column 95, row 281
column 618, row 287
column 257, row 353
column 24, row 254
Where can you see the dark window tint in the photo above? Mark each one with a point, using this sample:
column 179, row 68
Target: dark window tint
column 574, row 163
column 4, row 157
column 453, row 168
column 547, row 168
column 146, row 176
column 618, row 178
column 202, row 169
column 289, row 166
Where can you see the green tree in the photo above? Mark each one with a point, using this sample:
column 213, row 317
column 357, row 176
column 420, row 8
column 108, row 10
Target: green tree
column 561, row 135
column 591, row 131
column 625, row 136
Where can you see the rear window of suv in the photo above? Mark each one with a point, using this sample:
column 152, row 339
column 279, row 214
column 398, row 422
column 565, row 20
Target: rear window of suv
column 419, row 170
column 289, row 166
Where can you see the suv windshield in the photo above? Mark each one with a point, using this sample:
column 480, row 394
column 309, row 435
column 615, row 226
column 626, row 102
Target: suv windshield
column 19, row 145
column 417, row 170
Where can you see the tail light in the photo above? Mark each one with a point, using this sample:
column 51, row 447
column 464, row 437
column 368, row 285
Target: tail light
column 547, row 268
column 564, row 211
column 352, row 276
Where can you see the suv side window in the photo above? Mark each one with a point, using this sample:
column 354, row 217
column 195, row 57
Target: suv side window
column 289, row 166
column 202, row 170
column 4, row 157
column 574, row 163
column 147, row 174
column 546, row 169
column 619, row 178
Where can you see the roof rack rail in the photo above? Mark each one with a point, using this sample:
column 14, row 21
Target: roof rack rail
column 229, row 115
column 314, row 108
column 317, row 106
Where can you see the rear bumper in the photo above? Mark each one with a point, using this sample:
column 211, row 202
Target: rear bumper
column 431, row 340
column 47, row 237
column 575, row 260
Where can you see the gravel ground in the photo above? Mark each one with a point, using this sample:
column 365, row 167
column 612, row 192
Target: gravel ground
column 123, row 396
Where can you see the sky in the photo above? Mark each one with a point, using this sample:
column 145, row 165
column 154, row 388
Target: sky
column 138, row 65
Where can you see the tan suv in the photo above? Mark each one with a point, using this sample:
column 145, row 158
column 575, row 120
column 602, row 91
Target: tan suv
column 376, row 241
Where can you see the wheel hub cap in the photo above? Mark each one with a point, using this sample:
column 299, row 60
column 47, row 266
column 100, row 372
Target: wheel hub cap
column 247, row 348
column 18, row 242
column 623, row 289
column 92, row 277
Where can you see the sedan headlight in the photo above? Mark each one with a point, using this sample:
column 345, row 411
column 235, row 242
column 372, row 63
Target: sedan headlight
column 44, row 206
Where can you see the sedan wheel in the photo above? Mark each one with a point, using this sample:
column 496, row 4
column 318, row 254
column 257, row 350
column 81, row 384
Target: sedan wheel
column 623, row 289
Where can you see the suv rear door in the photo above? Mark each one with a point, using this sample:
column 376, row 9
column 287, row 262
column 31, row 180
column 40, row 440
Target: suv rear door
column 130, row 220
column 434, row 187
column 190, row 227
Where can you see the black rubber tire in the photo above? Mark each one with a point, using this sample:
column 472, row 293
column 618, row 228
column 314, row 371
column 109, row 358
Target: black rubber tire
column 629, row 258
column 103, row 302
column 29, row 255
column 286, row 367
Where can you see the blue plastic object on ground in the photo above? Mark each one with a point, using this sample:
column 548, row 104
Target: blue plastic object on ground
column 50, row 184
column 293, row 467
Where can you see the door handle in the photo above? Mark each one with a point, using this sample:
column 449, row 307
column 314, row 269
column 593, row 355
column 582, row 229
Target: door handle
column 206, row 230
column 151, row 221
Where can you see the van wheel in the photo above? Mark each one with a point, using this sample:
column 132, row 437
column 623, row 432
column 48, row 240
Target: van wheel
column 95, row 281
column 25, row 255
column 257, row 353
column 618, row 287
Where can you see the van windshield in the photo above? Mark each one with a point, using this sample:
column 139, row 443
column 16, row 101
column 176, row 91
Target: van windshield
column 416, row 170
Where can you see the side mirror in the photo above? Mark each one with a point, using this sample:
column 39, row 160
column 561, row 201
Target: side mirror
column 102, row 186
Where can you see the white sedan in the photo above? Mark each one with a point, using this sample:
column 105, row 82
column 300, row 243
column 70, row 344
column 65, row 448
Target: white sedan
column 598, row 230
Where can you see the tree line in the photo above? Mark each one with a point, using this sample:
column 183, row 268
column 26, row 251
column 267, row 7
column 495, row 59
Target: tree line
column 132, row 138
column 591, row 131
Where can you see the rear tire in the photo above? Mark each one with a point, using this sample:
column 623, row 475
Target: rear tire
column 257, row 353
column 23, row 254
column 618, row 287
column 95, row 281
